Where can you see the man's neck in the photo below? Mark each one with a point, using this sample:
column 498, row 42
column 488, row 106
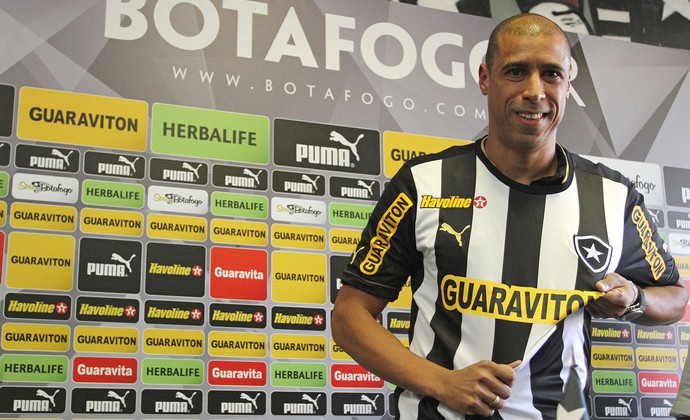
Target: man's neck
column 521, row 166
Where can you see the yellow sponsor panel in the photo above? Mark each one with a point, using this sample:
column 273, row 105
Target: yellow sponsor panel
column 106, row 339
column 40, row 261
column 302, row 237
column 77, row 118
column 401, row 147
column 238, row 232
column 43, row 217
column 298, row 277
column 291, row 346
column 337, row 352
column 237, row 344
column 404, row 300
column 344, row 240
column 112, row 222
column 3, row 213
column 683, row 356
column 184, row 342
column 683, row 264
column 657, row 358
column 184, row 228
column 616, row 357
column 32, row 337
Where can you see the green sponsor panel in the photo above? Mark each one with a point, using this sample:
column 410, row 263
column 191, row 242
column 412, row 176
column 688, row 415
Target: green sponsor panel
column 112, row 194
column 299, row 375
column 614, row 382
column 208, row 133
column 4, row 183
column 355, row 215
column 172, row 371
column 239, row 205
column 33, row 368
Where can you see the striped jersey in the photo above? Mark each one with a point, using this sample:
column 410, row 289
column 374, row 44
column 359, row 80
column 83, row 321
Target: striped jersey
column 500, row 270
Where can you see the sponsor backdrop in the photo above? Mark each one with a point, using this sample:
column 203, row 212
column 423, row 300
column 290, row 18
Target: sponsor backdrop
column 182, row 182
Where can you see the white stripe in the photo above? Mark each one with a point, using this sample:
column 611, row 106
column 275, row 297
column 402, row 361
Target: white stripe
column 426, row 177
column 608, row 15
column 614, row 208
column 573, row 345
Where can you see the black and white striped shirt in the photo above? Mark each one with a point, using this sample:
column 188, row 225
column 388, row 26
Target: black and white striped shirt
column 501, row 270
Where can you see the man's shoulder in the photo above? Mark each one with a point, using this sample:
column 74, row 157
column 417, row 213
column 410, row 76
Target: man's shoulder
column 448, row 153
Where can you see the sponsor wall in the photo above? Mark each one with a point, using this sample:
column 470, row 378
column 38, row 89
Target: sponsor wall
column 182, row 182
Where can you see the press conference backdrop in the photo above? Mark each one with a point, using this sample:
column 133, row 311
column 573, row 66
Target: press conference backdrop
column 182, row 183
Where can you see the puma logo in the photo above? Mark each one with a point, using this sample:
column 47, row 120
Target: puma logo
column 458, row 235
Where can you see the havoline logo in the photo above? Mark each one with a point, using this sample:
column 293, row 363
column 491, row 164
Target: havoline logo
column 35, row 306
column 307, row 319
column 113, row 164
column 104, row 401
column 252, row 403
column 107, row 265
column 48, row 158
column 320, row 146
column 179, row 171
column 298, row 403
column 32, row 399
column 171, row 401
column 355, row 188
column 242, row 177
column 97, row 309
column 237, row 316
column 172, row 312
column 175, row 270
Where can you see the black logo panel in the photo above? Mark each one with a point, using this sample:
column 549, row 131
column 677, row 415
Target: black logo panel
column 107, row 265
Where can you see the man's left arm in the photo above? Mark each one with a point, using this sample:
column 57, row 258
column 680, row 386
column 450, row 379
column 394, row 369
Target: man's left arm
column 663, row 304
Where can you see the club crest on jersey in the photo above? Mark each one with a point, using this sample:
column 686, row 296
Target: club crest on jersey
column 593, row 252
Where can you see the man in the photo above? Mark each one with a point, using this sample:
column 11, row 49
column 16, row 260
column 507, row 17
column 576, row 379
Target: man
column 504, row 242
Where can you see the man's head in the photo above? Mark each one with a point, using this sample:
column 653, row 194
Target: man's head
column 526, row 79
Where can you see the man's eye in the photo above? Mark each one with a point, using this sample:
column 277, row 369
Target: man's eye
column 514, row 72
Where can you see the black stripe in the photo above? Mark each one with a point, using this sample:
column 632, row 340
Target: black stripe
column 520, row 268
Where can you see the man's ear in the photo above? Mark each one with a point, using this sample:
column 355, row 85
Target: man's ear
column 483, row 78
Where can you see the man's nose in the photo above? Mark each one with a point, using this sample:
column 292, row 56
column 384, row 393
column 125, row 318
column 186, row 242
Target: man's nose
column 534, row 88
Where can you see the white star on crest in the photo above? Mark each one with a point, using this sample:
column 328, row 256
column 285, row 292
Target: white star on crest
column 577, row 414
column 676, row 6
column 592, row 252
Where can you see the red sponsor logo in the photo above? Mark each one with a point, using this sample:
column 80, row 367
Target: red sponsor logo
column 239, row 273
column 658, row 382
column 236, row 373
column 104, row 370
column 353, row 376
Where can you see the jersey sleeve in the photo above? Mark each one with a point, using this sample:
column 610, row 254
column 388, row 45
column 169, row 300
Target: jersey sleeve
column 645, row 259
column 386, row 255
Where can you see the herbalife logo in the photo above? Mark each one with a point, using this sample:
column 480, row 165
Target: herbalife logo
column 45, row 404
column 121, row 269
column 115, row 405
column 330, row 156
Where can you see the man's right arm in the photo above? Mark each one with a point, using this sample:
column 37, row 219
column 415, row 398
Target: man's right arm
column 468, row 390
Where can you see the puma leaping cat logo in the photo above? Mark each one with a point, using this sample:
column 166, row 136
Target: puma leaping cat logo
column 367, row 186
column 189, row 167
column 186, row 398
column 306, row 397
column 123, row 159
column 118, row 258
column 51, row 398
column 252, row 174
column 311, row 181
column 339, row 138
column 113, row 394
column 246, row 397
column 56, row 152
column 458, row 235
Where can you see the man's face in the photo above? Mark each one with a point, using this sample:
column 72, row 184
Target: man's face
column 526, row 90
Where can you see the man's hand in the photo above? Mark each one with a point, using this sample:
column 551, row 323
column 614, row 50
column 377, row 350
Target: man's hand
column 619, row 293
column 473, row 390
